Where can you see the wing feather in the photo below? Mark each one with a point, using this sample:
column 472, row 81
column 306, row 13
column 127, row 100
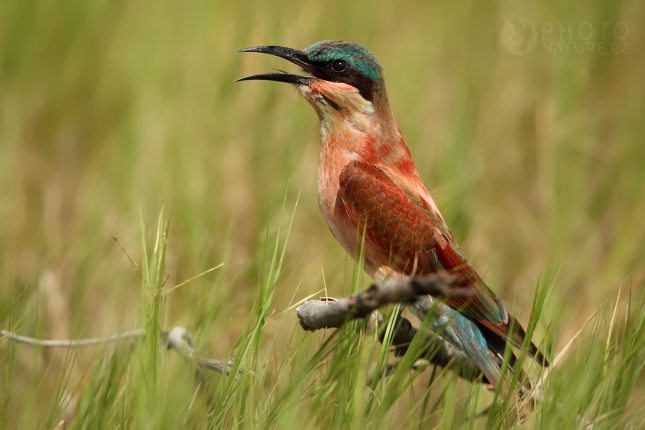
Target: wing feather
column 413, row 244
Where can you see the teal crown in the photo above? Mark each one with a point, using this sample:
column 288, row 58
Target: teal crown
column 359, row 57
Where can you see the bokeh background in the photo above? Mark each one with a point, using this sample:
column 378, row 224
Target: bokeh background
column 525, row 122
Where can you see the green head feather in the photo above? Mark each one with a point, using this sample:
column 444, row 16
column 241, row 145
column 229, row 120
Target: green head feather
column 356, row 55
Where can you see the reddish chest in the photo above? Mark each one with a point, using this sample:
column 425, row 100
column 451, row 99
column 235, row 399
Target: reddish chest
column 332, row 208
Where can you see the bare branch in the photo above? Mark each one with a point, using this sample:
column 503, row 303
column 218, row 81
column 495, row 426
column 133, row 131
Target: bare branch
column 332, row 313
column 314, row 315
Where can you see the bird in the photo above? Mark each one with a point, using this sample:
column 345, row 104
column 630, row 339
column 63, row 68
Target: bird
column 371, row 196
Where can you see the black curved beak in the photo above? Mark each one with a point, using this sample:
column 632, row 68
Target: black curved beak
column 293, row 55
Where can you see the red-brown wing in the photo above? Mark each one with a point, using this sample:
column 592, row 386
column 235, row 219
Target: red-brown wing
column 413, row 245
column 390, row 220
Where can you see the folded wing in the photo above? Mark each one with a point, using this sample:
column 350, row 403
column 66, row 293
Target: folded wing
column 410, row 243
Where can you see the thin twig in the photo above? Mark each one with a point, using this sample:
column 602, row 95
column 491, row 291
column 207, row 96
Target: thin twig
column 181, row 341
column 177, row 338
column 50, row 343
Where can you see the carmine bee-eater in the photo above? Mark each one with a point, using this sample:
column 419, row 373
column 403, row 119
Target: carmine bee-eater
column 370, row 194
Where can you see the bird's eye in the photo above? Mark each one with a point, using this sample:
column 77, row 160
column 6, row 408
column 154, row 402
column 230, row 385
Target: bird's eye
column 339, row 66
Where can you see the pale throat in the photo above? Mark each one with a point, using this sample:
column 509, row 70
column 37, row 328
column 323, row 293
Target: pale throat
column 347, row 124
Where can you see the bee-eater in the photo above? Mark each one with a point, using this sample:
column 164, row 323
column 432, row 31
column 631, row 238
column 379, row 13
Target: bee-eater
column 370, row 195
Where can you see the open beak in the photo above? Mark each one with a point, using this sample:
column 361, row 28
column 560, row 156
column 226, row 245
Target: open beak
column 293, row 55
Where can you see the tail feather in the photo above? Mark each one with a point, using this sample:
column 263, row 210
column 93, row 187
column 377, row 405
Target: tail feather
column 514, row 333
column 497, row 346
column 487, row 358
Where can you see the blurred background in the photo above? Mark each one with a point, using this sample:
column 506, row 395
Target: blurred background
column 525, row 122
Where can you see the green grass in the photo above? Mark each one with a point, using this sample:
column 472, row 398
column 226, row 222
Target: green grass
column 112, row 110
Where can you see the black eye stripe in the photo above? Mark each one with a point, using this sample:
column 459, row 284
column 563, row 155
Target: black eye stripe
column 340, row 70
